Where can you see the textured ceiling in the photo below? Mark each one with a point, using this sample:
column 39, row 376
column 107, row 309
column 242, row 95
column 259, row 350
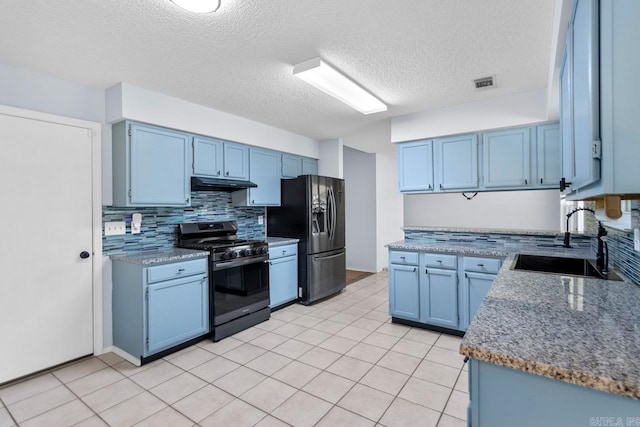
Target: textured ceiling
column 412, row 54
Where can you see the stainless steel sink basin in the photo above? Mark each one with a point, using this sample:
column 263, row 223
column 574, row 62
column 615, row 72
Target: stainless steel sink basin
column 558, row 265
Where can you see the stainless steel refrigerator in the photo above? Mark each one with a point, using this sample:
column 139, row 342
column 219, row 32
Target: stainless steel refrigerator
column 312, row 210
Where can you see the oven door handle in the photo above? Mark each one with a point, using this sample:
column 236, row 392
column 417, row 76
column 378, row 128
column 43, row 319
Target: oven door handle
column 238, row 263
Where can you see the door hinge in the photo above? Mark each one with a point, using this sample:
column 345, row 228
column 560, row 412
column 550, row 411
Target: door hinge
column 129, row 130
column 146, row 295
column 129, row 194
column 596, row 149
column 147, row 342
column 457, row 280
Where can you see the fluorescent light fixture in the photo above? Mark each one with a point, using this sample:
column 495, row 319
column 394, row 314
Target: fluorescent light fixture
column 319, row 74
column 198, row 6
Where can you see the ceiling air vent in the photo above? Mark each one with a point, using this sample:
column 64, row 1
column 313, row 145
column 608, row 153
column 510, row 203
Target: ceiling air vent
column 485, row 83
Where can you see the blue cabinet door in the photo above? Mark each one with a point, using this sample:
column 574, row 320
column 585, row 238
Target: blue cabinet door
column 158, row 167
column 566, row 110
column 415, row 166
column 177, row 310
column 207, row 156
column 236, row 161
column 291, row 166
column 457, row 162
column 309, row 166
column 507, row 158
column 548, row 155
column 265, row 172
column 283, row 280
column 439, row 297
column 585, row 93
column 476, row 287
column 404, row 292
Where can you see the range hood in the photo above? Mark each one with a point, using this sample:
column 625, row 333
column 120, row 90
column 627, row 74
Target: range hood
column 199, row 183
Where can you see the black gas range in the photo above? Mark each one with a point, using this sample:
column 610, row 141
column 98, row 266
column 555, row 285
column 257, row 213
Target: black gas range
column 238, row 275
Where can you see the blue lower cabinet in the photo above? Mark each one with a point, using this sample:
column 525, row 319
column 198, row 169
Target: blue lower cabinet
column 439, row 297
column 283, row 274
column 404, row 292
column 502, row 396
column 476, row 287
column 157, row 307
column 177, row 310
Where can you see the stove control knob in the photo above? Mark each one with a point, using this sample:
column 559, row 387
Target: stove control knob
column 233, row 255
column 244, row 252
column 262, row 251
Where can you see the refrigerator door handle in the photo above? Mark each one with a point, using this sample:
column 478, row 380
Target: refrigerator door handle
column 334, row 215
column 330, row 212
column 318, row 258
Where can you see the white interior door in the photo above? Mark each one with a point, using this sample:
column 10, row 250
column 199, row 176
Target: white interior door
column 46, row 295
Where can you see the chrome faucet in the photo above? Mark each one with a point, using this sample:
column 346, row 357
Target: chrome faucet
column 602, row 256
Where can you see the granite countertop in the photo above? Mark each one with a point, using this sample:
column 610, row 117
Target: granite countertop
column 158, row 257
column 487, row 249
column 281, row 241
column 486, row 230
column 585, row 331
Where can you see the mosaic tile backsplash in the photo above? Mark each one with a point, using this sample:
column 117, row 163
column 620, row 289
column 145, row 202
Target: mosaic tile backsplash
column 622, row 256
column 159, row 224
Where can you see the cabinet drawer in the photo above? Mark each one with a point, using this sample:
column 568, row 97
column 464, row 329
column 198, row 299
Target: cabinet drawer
column 482, row 265
column 176, row 270
column 283, row 251
column 440, row 261
column 399, row 257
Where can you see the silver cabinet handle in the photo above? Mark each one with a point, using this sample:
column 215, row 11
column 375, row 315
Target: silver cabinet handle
column 481, row 265
column 439, row 261
column 180, row 270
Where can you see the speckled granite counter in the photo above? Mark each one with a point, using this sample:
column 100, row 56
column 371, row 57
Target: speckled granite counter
column 484, row 249
column 281, row 241
column 157, row 257
column 584, row 331
column 481, row 230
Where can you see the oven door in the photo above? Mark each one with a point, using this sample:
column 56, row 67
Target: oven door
column 239, row 288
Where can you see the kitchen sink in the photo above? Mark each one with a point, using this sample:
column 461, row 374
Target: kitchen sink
column 558, row 265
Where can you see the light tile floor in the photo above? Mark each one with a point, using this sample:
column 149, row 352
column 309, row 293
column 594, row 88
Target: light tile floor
column 339, row 362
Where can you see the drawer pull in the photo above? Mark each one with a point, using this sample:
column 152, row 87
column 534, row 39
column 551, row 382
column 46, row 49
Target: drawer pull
column 439, row 261
column 403, row 258
column 481, row 265
column 180, row 270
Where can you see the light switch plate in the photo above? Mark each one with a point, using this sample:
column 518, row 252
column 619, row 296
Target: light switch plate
column 260, row 219
column 636, row 239
column 115, row 228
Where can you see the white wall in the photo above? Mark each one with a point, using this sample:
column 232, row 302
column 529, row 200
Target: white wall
column 508, row 110
column 360, row 212
column 513, row 210
column 389, row 206
column 331, row 161
column 125, row 101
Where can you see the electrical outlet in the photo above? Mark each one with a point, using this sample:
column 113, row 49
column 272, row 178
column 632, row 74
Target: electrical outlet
column 636, row 239
column 114, row 228
column 260, row 219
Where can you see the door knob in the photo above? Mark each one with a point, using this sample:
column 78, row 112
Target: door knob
column 84, row 255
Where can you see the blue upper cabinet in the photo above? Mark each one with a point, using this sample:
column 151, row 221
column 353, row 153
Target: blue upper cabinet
column 415, row 166
column 585, row 93
column 549, row 155
column 236, row 161
column 291, row 166
column 457, row 162
column 220, row 159
column 600, row 99
column 208, row 157
column 507, row 158
column 150, row 166
column 265, row 168
column 309, row 166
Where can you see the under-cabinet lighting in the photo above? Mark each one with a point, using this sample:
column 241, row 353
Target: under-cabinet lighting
column 198, row 6
column 319, row 74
